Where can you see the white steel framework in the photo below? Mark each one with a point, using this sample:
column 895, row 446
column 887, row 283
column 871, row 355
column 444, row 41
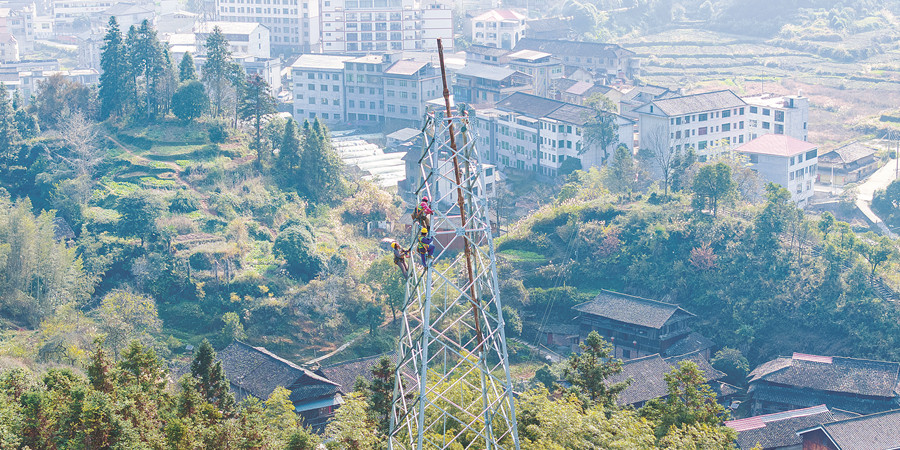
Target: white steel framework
column 453, row 386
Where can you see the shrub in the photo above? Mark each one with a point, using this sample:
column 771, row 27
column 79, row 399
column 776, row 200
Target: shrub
column 184, row 202
column 298, row 248
column 218, row 133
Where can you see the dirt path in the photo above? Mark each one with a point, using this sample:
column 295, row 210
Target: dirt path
column 176, row 171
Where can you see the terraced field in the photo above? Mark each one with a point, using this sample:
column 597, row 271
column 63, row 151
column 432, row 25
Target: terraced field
column 848, row 96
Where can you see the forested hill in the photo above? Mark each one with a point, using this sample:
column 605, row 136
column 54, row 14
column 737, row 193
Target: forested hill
column 766, row 279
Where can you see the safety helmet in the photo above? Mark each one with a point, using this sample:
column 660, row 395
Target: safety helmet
column 424, row 198
column 394, row 245
column 424, row 230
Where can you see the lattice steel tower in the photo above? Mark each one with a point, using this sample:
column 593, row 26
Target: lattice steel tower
column 452, row 382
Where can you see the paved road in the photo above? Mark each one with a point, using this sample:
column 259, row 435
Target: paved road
column 866, row 191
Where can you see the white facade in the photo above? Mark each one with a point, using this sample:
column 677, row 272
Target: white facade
column 293, row 24
column 70, row 9
column 362, row 26
column 500, row 28
column 711, row 123
column 787, row 161
column 779, row 115
column 21, row 25
column 514, row 137
column 250, row 39
column 318, row 86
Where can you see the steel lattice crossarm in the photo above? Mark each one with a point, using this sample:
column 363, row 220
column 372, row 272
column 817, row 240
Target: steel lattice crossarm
column 453, row 385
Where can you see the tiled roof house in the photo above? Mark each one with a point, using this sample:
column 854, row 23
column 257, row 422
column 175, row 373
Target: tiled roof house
column 638, row 326
column 800, row 381
column 256, row 371
column 647, row 375
column 880, row 431
column 778, row 431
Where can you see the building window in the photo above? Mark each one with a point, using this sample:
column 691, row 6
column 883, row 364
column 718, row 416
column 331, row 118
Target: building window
column 726, row 113
column 779, row 116
column 767, row 112
column 701, row 131
column 726, row 127
column 766, row 125
column 754, row 110
column 701, row 117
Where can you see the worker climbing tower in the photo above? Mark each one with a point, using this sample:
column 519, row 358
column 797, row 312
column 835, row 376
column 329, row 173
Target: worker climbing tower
column 452, row 384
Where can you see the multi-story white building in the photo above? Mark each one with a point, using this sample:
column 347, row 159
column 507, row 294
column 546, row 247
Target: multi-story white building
column 293, row 24
column 362, row 26
column 786, row 161
column 710, row 123
column 500, row 28
column 771, row 113
column 250, row 39
column 408, row 85
column 528, row 132
column 319, row 87
column 542, row 67
column 21, row 25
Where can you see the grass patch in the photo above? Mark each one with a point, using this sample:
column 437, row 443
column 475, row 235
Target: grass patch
column 153, row 182
column 523, row 256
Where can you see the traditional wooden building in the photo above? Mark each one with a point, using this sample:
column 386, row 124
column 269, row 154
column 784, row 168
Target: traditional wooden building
column 778, row 431
column 647, row 375
column 880, row 431
column 257, row 372
column 638, row 326
column 801, row 381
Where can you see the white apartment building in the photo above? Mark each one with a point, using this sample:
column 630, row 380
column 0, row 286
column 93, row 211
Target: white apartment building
column 363, row 26
column 787, row 161
column 710, row 123
column 770, row 113
column 408, row 85
column 319, row 87
column 528, row 132
column 250, row 39
column 21, row 25
column 500, row 28
column 542, row 67
column 293, row 24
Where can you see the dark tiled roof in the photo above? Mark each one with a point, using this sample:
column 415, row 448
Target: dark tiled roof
column 345, row 373
column 487, row 50
column 574, row 114
column 779, row 429
column 848, row 153
column 691, row 343
column 845, row 375
column 648, row 376
column 879, row 431
column 532, row 105
column 724, row 389
column 574, row 48
column 630, row 309
column 258, row 372
column 802, row 398
column 698, row 103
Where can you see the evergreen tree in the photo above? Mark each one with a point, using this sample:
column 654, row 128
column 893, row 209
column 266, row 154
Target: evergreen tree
column 210, row 376
column 99, row 372
column 588, row 371
column 256, row 102
column 321, row 172
column 381, row 393
column 148, row 67
column 114, row 85
column 289, row 153
column 216, row 68
column 190, row 101
column 186, row 69
column 7, row 124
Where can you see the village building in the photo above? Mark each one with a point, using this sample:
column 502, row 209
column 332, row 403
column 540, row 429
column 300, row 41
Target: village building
column 847, row 164
column 318, row 86
column 499, row 28
column 537, row 134
column 637, row 326
column 483, row 54
column 243, row 38
column 647, row 375
column 541, row 67
column 293, row 25
column 801, row 381
column 770, row 113
column 778, row 431
column 710, row 123
column 364, row 26
column 880, row 431
column 786, row 161
column 604, row 62
column 482, row 84
column 257, row 372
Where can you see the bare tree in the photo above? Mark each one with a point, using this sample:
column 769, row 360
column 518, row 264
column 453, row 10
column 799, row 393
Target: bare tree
column 656, row 148
column 80, row 136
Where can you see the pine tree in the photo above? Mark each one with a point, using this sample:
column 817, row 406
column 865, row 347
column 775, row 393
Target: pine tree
column 321, row 170
column 99, row 372
column 7, row 124
column 216, row 67
column 114, row 79
column 289, row 153
column 148, row 67
column 381, row 392
column 211, row 381
column 186, row 69
column 256, row 102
